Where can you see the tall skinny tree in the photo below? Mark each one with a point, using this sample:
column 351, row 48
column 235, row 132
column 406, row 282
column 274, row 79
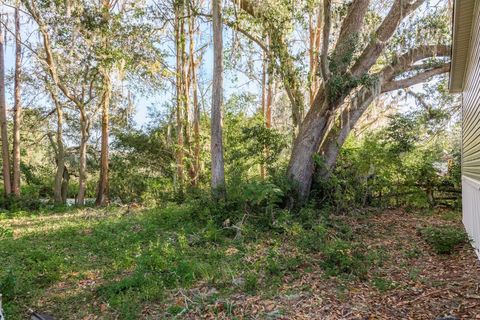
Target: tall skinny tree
column 179, row 84
column 102, row 190
column 196, row 106
column 59, row 147
column 3, row 120
column 216, row 144
column 17, row 114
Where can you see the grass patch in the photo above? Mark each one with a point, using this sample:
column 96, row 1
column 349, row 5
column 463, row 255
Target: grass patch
column 126, row 261
column 383, row 284
column 130, row 258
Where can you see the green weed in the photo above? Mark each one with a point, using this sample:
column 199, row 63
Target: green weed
column 444, row 239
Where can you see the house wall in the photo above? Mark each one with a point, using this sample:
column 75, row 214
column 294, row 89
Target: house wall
column 471, row 136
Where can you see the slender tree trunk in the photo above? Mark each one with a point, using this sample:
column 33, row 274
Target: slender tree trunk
column 102, row 188
column 269, row 102
column 60, row 152
column 312, row 52
column 186, row 81
column 3, row 121
column 180, row 48
column 216, row 148
column 17, row 115
column 196, row 107
column 102, row 191
column 264, row 110
column 83, row 159
column 64, row 188
column 430, row 196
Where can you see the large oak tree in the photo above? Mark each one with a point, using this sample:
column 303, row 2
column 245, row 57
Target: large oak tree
column 349, row 80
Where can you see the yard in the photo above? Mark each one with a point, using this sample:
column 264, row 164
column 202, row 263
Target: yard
column 131, row 263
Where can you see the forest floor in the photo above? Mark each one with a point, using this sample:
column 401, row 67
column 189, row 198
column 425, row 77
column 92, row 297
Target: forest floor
column 119, row 263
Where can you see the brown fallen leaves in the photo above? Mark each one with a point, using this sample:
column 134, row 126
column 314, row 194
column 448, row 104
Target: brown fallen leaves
column 424, row 285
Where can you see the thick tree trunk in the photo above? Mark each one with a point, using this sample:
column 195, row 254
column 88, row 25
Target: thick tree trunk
column 306, row 145
column 82, row 178
column 17, row 115
column 315, row 126
column 102, row 191
column 216, row 147
column 3, row 121
column 331, row 145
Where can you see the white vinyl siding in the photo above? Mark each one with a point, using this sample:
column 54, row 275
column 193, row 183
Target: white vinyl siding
column 471, row 136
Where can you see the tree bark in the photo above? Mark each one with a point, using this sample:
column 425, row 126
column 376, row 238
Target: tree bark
column 315, row 28
column 64, row 188
column 196, row 106
column 216, row 147
column 17, row 115
column 59, row 150
column 82, row 177
column 103, row 185
column 350, row 115
column 79, row 103
column 264, row 107
column 307, row 144
column 330, row 147
column 315, row 126
column 3, row 121
column 180, row 48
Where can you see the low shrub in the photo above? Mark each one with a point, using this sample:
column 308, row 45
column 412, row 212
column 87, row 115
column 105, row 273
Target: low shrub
column 444, row 239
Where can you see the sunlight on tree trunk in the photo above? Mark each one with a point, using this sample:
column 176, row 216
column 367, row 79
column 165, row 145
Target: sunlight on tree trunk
column 180, row 98
column 196, row 106
column 17, row 114
column 82, row 179
column 102, row 191
column 59, row 149
column 216, row 148
column 7, row 187
column 264, row 108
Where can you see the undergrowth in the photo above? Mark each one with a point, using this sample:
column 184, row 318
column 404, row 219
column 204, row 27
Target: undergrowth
column 444, row 239
column 136, row 258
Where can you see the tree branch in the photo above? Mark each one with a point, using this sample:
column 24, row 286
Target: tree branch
column 287, row 69
column 351, row 27
column 236, row 27
column 359, row 103
column 327, row 6
column 400, row 9
column 416, row 79
column 52, row 68
column 405, row 62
